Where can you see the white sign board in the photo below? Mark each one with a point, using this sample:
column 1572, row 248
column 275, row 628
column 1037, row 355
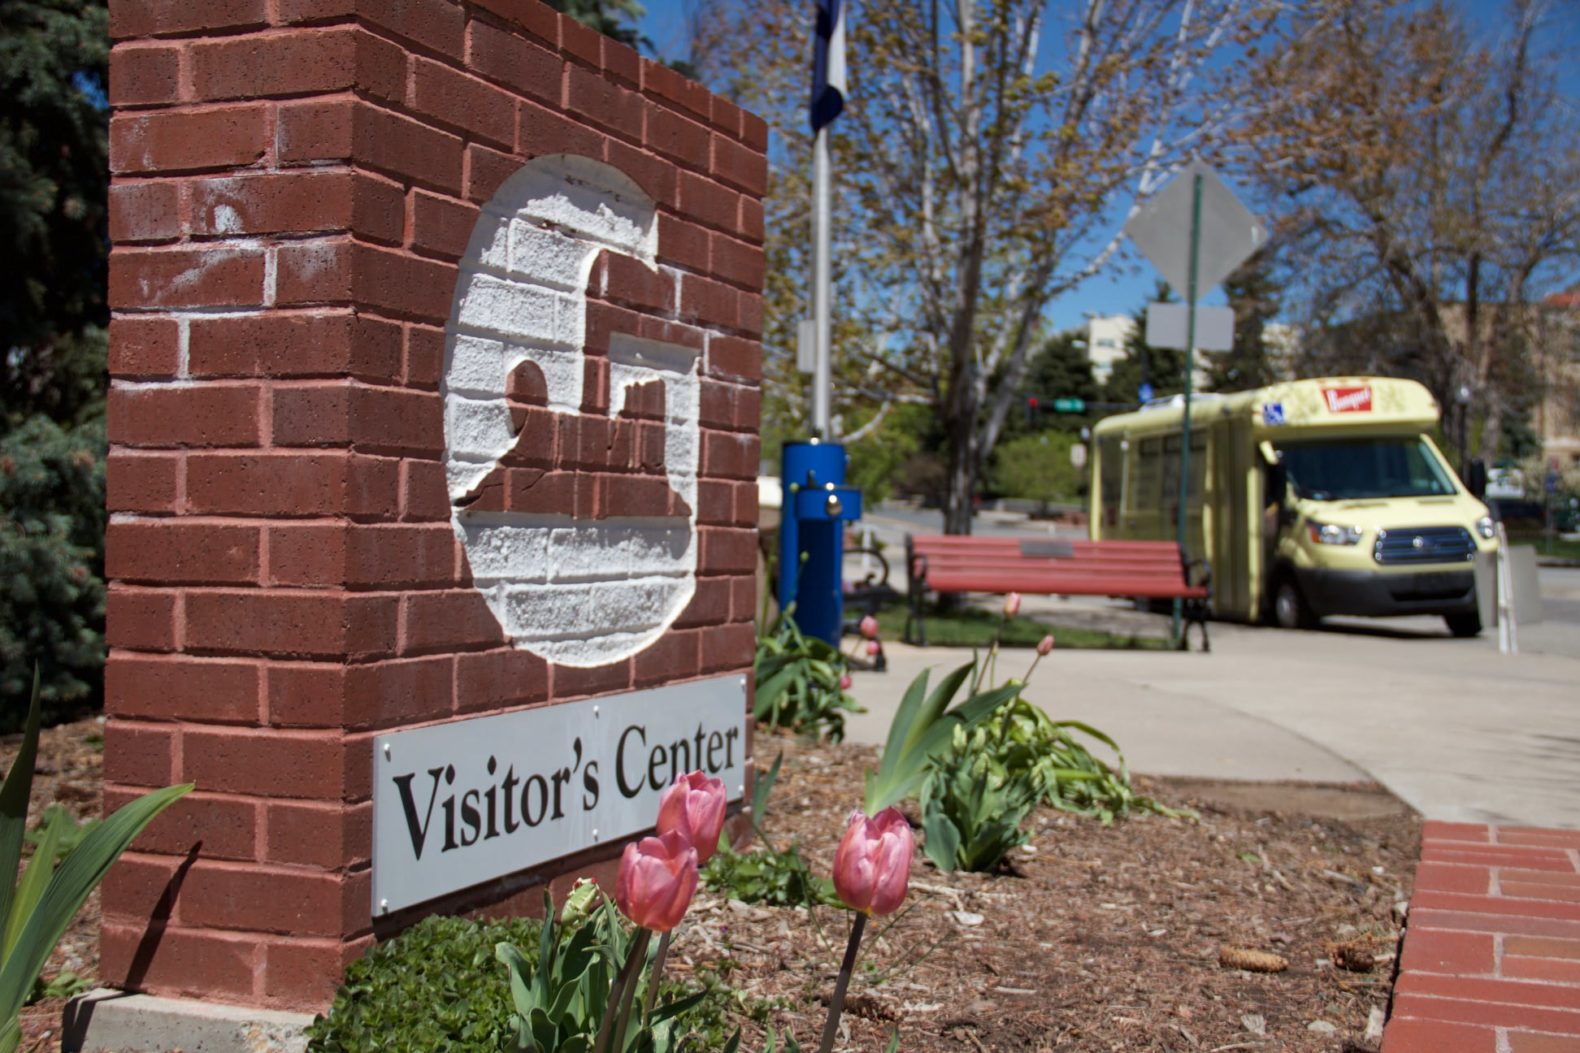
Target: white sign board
column 468, row 801
column 1228, row 231
column 1168, row 326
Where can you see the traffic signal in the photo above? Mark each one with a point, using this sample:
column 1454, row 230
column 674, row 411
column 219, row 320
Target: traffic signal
column 1031, row 411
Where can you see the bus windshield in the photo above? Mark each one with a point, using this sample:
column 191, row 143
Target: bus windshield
column 1346, row 469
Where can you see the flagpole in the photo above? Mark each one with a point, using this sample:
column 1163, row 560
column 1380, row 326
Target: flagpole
column 822, row 286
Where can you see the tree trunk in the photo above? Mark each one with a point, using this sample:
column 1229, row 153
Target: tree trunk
column 960, row 500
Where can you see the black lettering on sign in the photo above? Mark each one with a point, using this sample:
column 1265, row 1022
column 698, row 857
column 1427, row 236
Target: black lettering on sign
column 417, row 829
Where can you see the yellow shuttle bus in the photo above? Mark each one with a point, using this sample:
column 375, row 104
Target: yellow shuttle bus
column 1309, row 498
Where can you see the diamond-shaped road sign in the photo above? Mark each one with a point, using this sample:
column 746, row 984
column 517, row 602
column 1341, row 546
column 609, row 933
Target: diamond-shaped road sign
column 1228, row 232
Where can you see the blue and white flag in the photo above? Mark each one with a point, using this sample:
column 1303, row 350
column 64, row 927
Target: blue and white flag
column 828, row 64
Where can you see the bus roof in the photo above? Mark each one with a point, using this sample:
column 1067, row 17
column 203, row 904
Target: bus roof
column 1325, row 403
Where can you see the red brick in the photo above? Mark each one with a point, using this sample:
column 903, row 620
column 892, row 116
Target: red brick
column 727, row 116
column 1452, row 877
column 347, row 129
column 178, row 962
column 727, row 551
column 296, row 63
column 673, row 657
column 316, row 130
column 677, row 137
column 424, row 492
column 729, row 455
column 709, row 203
column 707, row 302
column 342, row 271
column 463, row 103
column 144, row 347
column 499, row 679
column 184, row 277
column 203, row 415
column 754, row 131
column 188, row 140
column 224, row 827
column 265, row 899
column 298, row 202
column 340, row 413
column 396, row 694
column 749, row 314
column 1498, row 855
column 434, row 25
column 1440, row 830
column 715, row 503
column 1431, row 1036
column 1537, row 838
column 709, row 606
column 146, row 18
column 536, row 18
column 292, row 345
column 1530, row 1042
column 140, row 619
column 604, row 103
column 302, row 765
column 728, row 647
column 441, row 226
column 136, row 482
column 138, row 754
column 1473, row 989
column 621, row 62
column 1462, row 953
column 311, row 554
column 1539, row 877
column 740, row 167
column 447, row 621
column 660, row 81
column 1495, row 905
column 291, row 624
column 317, row 834
column 386, row 556
column 292, row 484
column 305, row 694
column 144, row 74
column 1485, row 1014
column 581, row 42
column 1540, row 947
column 508, row 58
column 424, row 357
column 486, row 170
column 626, row 280
column 304, row 974
column 656, row 176
column 567, row 682
column 544, row 131
column 165, row 552
column 1548, row 970
column 737, row 262
column 147, row 211
column 1510, row 924
column 1539, row 890
column 743, row 599
column 682, row 243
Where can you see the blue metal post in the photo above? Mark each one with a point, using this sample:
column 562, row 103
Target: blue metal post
column 811, row 536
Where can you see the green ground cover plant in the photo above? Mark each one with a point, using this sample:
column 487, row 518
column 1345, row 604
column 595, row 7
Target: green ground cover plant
column 970, row 627
column 801, row 682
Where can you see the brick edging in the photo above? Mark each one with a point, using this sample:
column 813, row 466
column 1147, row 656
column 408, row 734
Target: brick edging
column 1491, row 957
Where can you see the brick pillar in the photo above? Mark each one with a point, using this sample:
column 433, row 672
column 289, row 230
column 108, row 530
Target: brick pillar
column 295, row 182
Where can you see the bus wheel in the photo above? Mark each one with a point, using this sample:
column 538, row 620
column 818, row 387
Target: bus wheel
column 1465, row 624
column 1289, row 606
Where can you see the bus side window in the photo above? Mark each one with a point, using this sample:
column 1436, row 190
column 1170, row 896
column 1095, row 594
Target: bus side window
column 1112, row 478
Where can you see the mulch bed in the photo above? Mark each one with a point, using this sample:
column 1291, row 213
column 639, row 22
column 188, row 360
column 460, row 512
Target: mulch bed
column 1095, row 938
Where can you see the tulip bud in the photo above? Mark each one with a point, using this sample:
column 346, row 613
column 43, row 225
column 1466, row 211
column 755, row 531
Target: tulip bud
column 874, row 648
column 845, row 682
column 869, row 627
column 872, row 866
column 694, row 808
column 1045, row 645
column 658, row 877
column 1012, row 605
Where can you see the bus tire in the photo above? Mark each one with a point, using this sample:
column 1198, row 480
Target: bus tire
column 1290, row 610
column 1464, row 624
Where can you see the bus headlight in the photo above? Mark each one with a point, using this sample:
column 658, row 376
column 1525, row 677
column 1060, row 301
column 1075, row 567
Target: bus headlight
column 1330, row 534
column 1486, row 528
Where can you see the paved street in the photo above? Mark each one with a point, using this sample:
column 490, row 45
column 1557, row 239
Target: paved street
column 1451, row 726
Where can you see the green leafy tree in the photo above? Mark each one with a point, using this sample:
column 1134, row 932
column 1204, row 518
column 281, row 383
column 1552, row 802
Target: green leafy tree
column 613, row 18
column 1036, row 467
column 51, row 566
column 1253, row 294
column 1060, row 369
column 53, row 184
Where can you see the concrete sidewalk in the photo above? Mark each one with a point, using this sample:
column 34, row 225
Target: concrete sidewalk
column 1455, row 729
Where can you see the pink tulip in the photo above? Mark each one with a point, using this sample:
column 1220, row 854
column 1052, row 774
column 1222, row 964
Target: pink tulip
column 869, row 627
column 1012, row 605
column 874, row 648
column 694, row 808
column 658, row 877
column 873, row 864
column 845, row 682
column 1045, row 645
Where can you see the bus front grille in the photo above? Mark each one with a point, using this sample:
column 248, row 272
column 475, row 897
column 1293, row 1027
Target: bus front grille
column 1424, row 545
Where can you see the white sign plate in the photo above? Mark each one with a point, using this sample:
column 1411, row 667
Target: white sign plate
column 1229, row 233
column 1168, row 324
column 465, row 802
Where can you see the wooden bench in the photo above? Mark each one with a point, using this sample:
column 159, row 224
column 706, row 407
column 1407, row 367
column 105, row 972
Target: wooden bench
column 1154, row 570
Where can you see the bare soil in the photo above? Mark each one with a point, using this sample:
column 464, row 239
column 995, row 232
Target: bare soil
column 1095, row 938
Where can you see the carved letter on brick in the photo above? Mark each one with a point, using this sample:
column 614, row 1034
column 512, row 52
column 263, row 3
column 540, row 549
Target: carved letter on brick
column 530, row 435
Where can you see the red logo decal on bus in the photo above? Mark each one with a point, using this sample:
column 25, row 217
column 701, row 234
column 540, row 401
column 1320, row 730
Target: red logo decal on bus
column 1348, row 400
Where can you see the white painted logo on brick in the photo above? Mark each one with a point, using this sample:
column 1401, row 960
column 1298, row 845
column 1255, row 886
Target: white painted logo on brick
column 580, row 592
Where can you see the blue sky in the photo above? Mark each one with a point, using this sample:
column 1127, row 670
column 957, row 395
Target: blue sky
column 1129, row 280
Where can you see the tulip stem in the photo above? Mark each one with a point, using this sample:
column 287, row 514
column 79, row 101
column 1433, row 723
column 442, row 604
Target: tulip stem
column 658, row 974
column 624, row 981
column 836, row 1005
column 627, row 996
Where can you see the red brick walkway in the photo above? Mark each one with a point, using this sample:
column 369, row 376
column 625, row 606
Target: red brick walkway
column 1491, row 960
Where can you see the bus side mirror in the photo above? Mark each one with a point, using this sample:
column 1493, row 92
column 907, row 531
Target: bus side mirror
column 1477, row 478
